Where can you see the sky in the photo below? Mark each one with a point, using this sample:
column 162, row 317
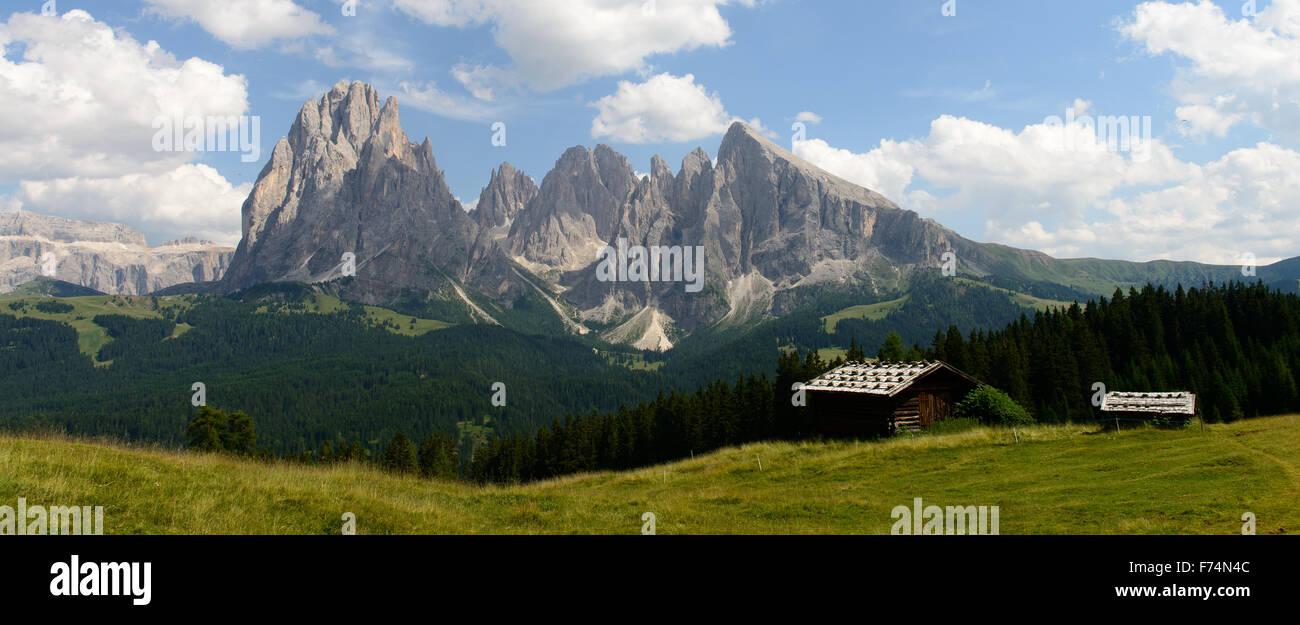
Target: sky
column 1132, row 130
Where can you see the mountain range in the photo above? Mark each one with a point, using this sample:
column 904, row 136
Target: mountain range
column 349, row 203
column 106, row 257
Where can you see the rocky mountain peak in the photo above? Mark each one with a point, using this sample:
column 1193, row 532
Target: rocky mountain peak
column 347, row 180
column 659, row 168
column 505, row 195
column 745, row 151
column 576, row 210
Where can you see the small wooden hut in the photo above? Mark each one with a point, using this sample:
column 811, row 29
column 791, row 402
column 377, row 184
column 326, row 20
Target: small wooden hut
column 884, row 398
column 1174, row 406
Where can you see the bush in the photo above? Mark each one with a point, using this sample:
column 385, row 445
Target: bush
column 991, row 407
column 54, row 308
column 212, row 430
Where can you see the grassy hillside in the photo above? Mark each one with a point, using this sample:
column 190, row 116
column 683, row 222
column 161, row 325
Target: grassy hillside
column 871, row 312
column 390, row 320
column 1067, row 479
column 91, row 337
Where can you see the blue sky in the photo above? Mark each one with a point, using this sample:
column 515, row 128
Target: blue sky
column 943, row 113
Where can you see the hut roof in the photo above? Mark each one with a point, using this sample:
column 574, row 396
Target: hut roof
column 1160, row 403
column 878, row 378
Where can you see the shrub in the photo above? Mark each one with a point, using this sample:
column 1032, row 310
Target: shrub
column 53, row 307
column 991, row 407
column 212, row 430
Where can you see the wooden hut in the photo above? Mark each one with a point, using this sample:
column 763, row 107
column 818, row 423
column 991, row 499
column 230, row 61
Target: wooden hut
column 1175, row 406
column 884, row 398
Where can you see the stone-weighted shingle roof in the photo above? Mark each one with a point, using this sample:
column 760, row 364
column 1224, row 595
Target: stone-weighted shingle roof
column 874, row 378
column 1179, row 403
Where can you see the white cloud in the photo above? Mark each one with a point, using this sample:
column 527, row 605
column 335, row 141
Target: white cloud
column 555, row 44
column 1202, row 119
column 1086, row 201
column 245, row 24
column 191, row 200
column 664, row 108
column 1236, row 69
column 808, row 117
column 82, row 98
column 1242, row 203
column 1062, row 169
column 885, row 170
column 87, row 96
column 429, row 98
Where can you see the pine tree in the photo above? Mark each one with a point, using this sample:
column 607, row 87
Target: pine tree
column 206, row 429
column 400, row 455
column 892, row 350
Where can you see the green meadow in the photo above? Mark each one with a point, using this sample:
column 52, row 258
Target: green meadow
column 1070, row 479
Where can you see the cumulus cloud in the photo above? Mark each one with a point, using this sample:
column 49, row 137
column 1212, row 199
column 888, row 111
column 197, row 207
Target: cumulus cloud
column 664, row 108
column 1062, row 189
column 191, row 200
column 582, row 39
column 1233, row 70
column 87, row 97
column 808, row 117
column 245, row 24
column 1242, row 203
column 82, row 98
column 1061, row 169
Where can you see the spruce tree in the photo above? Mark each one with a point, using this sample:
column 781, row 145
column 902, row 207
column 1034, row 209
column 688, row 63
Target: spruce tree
column 400, row 455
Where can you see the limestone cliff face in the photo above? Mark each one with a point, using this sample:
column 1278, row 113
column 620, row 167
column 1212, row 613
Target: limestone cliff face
column 346, row 189
column 576, row 212
column 110, row 258
column 767, row 221
column 506, row 194
column 347, row 180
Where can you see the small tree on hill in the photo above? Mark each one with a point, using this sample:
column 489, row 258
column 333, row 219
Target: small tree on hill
column 212, row 430
column 240, row 436
column 206, row 429
column 992, row 407
column 438, row 457
column 399, row 456
column 855, row 353
column 892, row 350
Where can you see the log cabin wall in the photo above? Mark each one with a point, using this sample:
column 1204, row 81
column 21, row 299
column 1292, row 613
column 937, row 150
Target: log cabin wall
column 852, row 414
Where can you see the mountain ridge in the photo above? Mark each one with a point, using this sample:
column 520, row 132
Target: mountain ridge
column 106, row 257
column 772, row 225
column 348, row 202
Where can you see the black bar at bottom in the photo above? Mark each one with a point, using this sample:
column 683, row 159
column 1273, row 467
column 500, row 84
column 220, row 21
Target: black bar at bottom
column 499, row 575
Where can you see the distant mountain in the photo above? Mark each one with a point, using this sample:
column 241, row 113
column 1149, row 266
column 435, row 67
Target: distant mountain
column 347, row 196
column 776, row 233
column 105, row 257
column 506, row 194
column 49, row 287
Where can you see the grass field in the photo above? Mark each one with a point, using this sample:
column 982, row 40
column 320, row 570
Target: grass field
column 1066, row 479
column 394, row 322
column 1023, row 299
column 870, row 312
column 91, row 337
